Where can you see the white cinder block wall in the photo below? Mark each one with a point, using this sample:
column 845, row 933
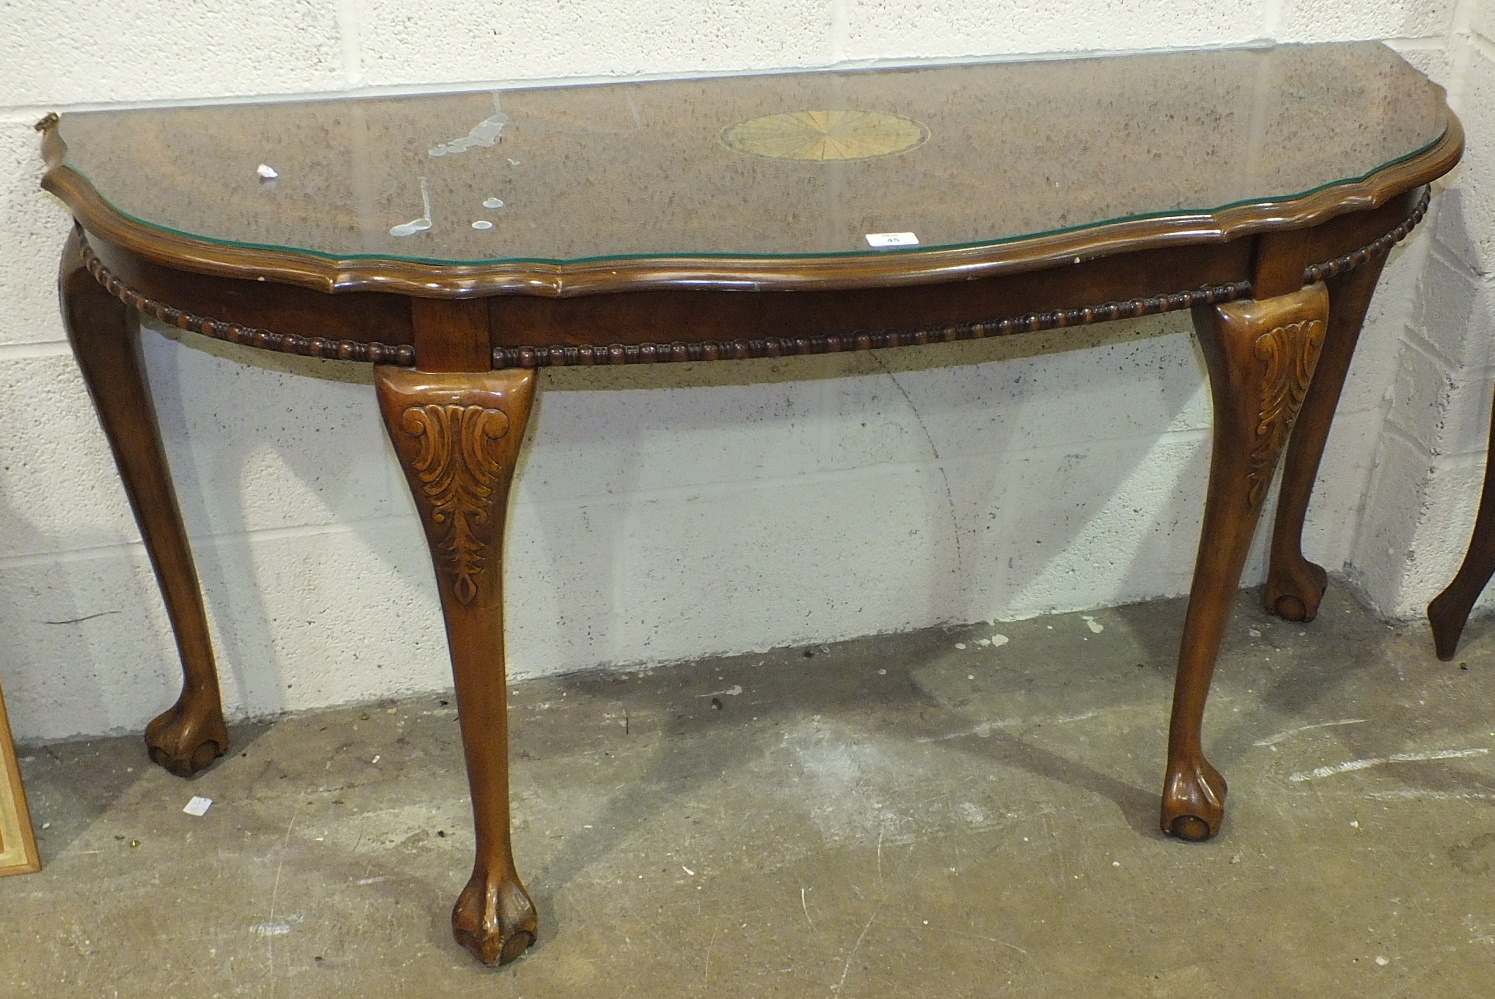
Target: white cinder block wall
column 730, row 507
column 1430, row 458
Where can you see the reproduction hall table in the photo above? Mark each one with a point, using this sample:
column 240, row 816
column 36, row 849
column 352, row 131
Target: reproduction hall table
column 460, row 241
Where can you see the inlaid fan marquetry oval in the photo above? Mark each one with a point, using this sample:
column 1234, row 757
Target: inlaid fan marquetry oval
column 825, row 135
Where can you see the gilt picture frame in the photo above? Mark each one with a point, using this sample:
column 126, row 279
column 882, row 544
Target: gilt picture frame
column 18, row 853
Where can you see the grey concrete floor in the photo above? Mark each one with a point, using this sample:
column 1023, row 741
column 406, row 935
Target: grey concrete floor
column 938, row 814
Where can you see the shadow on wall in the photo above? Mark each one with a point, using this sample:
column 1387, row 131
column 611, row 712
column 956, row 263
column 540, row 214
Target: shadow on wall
column 288, row 488
column 847, row 494
column 729, row 506
column 68, row 659
column 81, row 621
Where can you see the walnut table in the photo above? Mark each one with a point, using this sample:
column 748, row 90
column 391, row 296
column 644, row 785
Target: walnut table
column 460, row 241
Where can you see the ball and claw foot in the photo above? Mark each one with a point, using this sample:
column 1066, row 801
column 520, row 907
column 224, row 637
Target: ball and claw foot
column 496, row 922
column 186, row 740
column 1294, row 594
column 1193, row 802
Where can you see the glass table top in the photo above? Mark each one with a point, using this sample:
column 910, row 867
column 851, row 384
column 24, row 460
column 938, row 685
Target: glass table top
column 780, row 165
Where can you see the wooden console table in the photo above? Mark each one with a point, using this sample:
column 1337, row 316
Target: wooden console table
column 460, row 241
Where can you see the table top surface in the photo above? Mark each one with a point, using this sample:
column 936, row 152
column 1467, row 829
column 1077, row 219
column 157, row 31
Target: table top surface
column 777, row 165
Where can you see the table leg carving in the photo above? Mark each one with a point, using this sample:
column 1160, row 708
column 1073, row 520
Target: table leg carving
column 1261, row 357
column 457, row 436
column 1295, row 585
column 105, row 337
column 1449, row 611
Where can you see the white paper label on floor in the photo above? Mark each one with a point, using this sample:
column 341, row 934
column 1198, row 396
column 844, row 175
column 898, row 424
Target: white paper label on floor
column 198, row 805
column 892, row 239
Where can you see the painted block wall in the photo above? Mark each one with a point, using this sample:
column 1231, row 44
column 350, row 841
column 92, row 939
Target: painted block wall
column 679, row 511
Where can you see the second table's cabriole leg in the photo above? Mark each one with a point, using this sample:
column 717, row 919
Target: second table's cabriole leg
column 105, row 337
column 1261, row 357
column 457, row 436
column 1449, row 611
column 1295, row 585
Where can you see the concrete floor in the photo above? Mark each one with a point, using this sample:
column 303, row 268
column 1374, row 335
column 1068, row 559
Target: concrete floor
column 936, row 814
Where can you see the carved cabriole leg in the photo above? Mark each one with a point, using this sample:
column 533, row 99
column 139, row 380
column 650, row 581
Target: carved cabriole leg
column 457, row 436
column 1261, row 357
column 105, row 338
column 1294, row 584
